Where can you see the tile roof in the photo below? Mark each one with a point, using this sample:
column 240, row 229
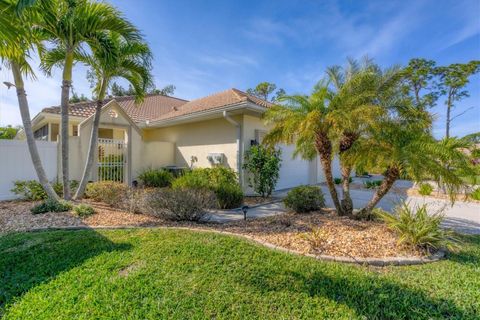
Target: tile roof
column 217, row 100
column 157, row 107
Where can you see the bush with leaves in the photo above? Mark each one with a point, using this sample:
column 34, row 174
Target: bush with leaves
column 475, row 194
column 263, row 167
column 222, row 181
column 32, row 190
column 339, row 180
column 416, row 227
column 156, row 178
column 425, row 189
column 83, row 210
column 51, row 205
column 372, row 184
column 305, row 199
column 183, row 204
column 109, row 192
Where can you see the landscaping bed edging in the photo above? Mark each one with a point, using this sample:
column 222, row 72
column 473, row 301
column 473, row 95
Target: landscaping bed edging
column 377, row 262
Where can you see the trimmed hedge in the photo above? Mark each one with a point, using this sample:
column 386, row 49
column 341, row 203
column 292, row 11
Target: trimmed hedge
column 305, row 199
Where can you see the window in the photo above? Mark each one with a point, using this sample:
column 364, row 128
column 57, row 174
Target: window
column 42, row 133
column 75, row 130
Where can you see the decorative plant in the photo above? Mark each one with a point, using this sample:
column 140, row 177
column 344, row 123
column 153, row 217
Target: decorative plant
column 156, row 178
column 263, row 166
column 425, row 189
column 305, row 199
column 475, row 195
column 83, row 210
column 51, row 205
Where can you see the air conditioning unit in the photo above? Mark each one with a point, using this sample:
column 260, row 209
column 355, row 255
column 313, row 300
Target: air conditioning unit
column 216, row 158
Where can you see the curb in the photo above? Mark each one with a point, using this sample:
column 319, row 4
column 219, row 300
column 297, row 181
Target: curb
column 377, row 262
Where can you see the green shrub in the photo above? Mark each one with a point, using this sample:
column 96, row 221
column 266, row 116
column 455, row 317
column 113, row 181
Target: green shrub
column 372, row 184
column 263, row 166
column 83, row 210
column 229, row 196
column 475, row 195
column 425, row 189
column 415, row 227
column 156, row 178
column 180, row 204
column 304, row 199
column 109, row 192
column 339, row 180
column 32, row 190
column 222, row 181
column 51, row 205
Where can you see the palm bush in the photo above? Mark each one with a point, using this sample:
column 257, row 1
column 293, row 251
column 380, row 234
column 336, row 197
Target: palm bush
column 305, row 199
column 415, row 227
column 372, row 184
column 475, row 195
column 156, row 178
column 425, row 189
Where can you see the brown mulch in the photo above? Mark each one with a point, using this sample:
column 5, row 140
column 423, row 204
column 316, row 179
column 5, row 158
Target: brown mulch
column 317, row 232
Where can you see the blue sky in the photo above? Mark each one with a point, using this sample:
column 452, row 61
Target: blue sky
column 204, row 47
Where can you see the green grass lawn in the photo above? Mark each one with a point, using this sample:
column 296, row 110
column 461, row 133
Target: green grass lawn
column 177, row 274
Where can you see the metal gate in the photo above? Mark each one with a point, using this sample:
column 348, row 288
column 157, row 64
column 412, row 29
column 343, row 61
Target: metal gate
column 112, row 160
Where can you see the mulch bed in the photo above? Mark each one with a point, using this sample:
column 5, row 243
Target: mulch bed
column 336, row 236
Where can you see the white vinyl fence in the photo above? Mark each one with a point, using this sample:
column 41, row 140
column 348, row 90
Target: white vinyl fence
column 16, row 164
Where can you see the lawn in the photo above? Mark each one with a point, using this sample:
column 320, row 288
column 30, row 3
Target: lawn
column 178, row 274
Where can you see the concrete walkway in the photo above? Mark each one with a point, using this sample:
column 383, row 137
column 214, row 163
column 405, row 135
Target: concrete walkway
column 464, row 217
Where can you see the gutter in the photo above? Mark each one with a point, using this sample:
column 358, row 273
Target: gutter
column 239, row 127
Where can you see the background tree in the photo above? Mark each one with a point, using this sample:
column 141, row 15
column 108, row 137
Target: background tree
column 168, row 90
column 418, row 77
column 75, row 98
column 263, row 166
column 115, row 58
column 264, row 89
column 452, row 81
column 73, row 26
column 8, row 132
column 16, row 44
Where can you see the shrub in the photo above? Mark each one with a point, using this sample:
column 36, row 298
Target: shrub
column 111, row 193
column 32, row 190
column 416, row 227
column 475, row 195
column 229, row 195
column 222, row 181
column 83, row 210
column 372, row 184
column 339, row 180
column 156, row 178
column 263, row 165
column 51, row 205
column 305, row 199
column 180, row 204
column 425, row 189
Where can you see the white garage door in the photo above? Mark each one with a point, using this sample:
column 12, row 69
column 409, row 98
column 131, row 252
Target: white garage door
column 293, row 172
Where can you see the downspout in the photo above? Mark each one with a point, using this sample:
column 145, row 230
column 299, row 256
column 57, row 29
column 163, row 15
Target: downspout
column 239, row 127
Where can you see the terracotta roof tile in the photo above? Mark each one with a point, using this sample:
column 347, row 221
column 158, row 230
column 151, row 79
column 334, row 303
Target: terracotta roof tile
column 158, row 107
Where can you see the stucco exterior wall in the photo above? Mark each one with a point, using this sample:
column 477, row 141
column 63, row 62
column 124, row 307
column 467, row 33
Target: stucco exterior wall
column 199, row 139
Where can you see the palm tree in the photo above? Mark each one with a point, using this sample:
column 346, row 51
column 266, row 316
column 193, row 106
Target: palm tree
column 119, row 59
column 71, row 25
column 306, row 121
column 16, row 43
column 405, row 146
column 360, row 96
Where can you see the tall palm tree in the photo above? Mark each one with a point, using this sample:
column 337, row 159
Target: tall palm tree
column 16, row 44
column 73, row 25
column 116, row 58
column 306, row 121
column 405, row 147
column 363, row 92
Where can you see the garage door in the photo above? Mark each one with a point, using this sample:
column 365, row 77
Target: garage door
column 293, row 172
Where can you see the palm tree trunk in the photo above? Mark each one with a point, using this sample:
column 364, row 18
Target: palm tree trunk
column 66, row 85
column 347, row 203
column 324, row 148
column 93, row 143
column 27, row 127
column 391, row 176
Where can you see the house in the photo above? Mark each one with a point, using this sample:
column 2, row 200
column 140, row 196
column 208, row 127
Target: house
column 166, row 131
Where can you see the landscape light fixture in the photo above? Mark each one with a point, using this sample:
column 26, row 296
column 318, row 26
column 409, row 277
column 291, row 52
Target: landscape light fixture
column 245, row 210
column 8, row 84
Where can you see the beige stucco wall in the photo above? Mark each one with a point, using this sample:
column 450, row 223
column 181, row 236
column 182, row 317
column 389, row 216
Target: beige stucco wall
column 199, row 139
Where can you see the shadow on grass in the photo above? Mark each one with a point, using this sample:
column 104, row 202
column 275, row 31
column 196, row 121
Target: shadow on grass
column 368, row 295
column 464, row 256
column 30, row 259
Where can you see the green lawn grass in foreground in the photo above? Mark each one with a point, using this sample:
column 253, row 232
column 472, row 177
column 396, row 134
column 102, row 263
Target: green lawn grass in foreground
column 178, row 274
